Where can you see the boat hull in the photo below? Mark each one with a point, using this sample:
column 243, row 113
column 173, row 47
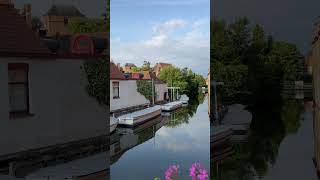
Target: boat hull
column 135, row 121
column 169, row 107
column 113, row 127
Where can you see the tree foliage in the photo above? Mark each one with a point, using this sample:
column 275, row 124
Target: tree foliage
column 98, row 79
column 36, row 23
column 188, row 81
column 85, row 25
column 145, row 88
column 248, row 60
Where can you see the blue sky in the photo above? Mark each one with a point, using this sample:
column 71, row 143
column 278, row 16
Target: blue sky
column 173, row 31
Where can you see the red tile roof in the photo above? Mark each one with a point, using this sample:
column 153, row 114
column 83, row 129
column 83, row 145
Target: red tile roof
column 146, row 76
column 115, row 73
column 16, row 38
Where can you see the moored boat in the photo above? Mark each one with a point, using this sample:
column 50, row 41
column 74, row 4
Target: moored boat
column 113, row 123
column 184, row 99
column 237, row 118
column 139, row 117
column 171, row 106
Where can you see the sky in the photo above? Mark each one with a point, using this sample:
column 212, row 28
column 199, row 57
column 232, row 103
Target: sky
column 171, row 31
column 90, row 8
column 288, row 20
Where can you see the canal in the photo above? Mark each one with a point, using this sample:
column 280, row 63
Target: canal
column 177, row 138
column 279, row 145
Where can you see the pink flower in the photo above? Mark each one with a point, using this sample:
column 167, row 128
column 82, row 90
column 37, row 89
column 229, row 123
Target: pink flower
column 172, row 172
column 197, row 172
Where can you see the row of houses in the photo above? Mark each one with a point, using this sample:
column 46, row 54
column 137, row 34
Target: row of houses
column 43, row 96
column 123, row 88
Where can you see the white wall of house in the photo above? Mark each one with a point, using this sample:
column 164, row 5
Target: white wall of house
column 62, row 110
column 129, row 96
column 160, row 90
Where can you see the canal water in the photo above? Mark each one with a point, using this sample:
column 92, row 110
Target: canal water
column 177, row 138
column 279, row 145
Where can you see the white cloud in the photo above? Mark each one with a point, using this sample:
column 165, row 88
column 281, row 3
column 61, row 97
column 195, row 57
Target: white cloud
column 182, row 43
column 169, row 26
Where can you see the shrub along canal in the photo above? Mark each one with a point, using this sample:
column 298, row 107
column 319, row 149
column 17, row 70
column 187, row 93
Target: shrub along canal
column 177, row 138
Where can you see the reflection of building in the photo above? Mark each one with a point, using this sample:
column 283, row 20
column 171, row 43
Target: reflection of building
column 43, row 95
column 57, row 18
column 159, row 66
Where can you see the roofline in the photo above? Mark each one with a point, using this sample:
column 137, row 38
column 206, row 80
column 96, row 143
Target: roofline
column 50, row 55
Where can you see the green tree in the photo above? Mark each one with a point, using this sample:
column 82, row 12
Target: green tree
column 36, row 23
column 146, row 66
column 135, row 69
column 85, row 25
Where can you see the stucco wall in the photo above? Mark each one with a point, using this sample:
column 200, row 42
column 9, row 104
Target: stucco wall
column 129, row 96
column 160, row 90
column 63, row 112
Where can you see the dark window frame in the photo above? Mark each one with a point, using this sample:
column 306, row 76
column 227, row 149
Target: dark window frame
column 118, row 89
column 25, row 67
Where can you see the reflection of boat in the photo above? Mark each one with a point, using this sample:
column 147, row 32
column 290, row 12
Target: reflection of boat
column 127, row 138
column 171, row 106
column 113, row 123
column 220, row 134
column 143, row 126
column 237, row 118
column 221, row 152
column 93, row 167
column 184, row 99
column 139, row 117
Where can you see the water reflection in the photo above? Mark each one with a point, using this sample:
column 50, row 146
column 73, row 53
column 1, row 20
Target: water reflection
column 180, row 137
column 278, row 146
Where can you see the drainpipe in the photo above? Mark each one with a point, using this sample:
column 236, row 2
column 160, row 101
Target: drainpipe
column 152, row 91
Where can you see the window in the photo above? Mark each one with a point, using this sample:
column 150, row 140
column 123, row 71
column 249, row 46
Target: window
column 18, row 88
column 66, row 20
column 115, row 86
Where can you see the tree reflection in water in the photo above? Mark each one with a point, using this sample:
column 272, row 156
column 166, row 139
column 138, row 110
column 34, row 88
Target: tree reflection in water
column 273, row 119
column 182, row 115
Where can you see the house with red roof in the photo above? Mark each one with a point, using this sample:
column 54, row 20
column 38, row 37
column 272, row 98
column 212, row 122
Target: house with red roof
column 123, row 91
column 43, row 95
column 159, row 66
column 161, row 88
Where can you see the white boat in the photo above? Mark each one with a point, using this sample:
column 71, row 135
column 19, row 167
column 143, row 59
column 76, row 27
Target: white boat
column 138, row 117
column 113, row 123
column 237, row 118
column 184, row 99
column 171, row 106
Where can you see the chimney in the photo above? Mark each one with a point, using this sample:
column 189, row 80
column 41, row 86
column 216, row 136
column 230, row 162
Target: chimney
column 5, row 2
column 118, row 65
column 27, row 13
